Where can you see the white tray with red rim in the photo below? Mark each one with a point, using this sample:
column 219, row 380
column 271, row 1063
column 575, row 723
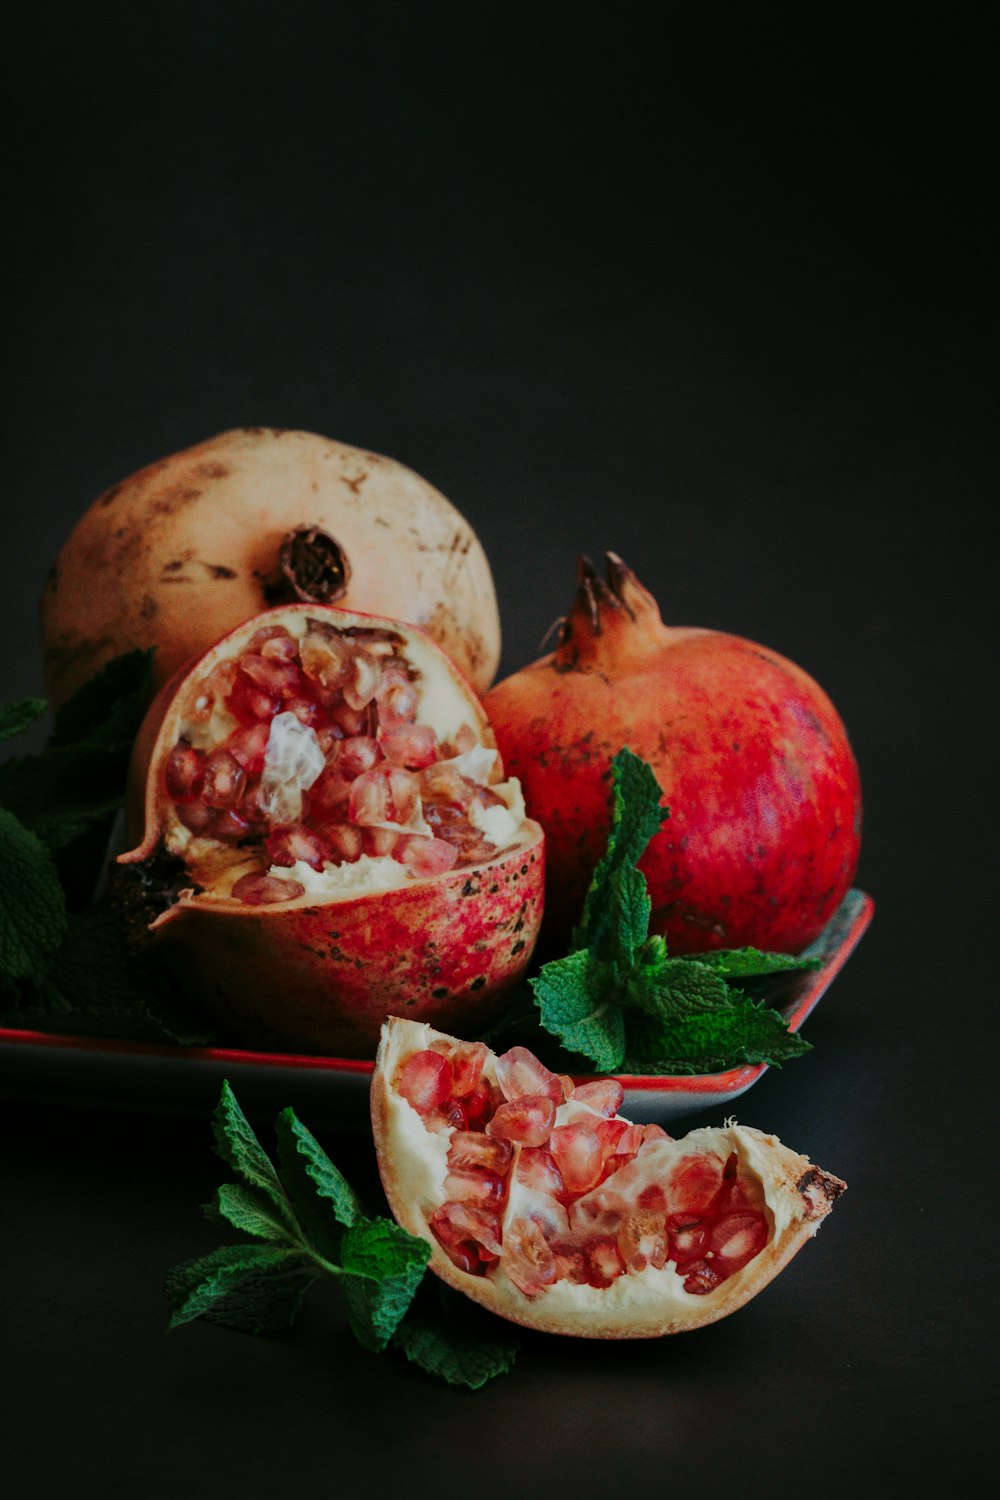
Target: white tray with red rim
column 144, row 1076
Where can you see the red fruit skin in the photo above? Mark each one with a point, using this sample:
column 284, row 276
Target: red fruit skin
column 763, row 837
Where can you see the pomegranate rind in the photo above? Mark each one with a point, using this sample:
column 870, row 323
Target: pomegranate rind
column 183, row 550
column 320, row 972
column 412, row 1161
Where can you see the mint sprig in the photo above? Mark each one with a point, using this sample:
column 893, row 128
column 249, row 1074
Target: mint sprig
column 307, row 1224
column 620, row 1001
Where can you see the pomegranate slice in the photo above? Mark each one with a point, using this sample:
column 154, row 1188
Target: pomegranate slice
column 681, row 1234
column 306, row 891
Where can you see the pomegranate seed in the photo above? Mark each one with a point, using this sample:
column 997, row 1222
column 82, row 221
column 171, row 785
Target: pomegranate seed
column 363, row 681
column 343, row 840
column 247, row 746
column 687, row 1239
column 223, row 780
column 354, row 755
column 654, row 1133
column 286, row 846
column 527, row 1258
column 378, row 842
column 183, row 771
column 424, row 857
column 487, row 1189
column 306, row 710
column 248, row 704
column 526, row 1121
column 480, row 1105
column 371, row 800
column 398, row 701
column 349, row 720
column 279, row 679
column 448, row 1116
column 702, row 1277
column 579, row 1154
column 465, row 739
column 630, row 1141
column 273, row 634
column 571, row 1264
column 736, row 1239
column 519, row 1072
column 229, row 826
column 536, row 1168
column 605, row 1263
column 424, row 1080
column 262, row 890
column 195, row 816
column 326, row 660
column 694, row 1183
column 329, row 797
column 441, row 783
column 642, row 1240
column 467, row 1060
column 604, row 1094
column 568, row 1086
column 413, row 745
column 279, row 648
column 471, row 1148
column 404, row 790
column 455, row 1222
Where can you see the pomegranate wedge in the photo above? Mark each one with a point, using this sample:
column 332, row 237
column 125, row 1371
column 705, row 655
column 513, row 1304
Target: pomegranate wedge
column 604, row 1229
column 324, row 835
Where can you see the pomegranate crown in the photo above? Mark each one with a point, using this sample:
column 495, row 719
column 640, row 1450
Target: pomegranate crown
column 618, row 617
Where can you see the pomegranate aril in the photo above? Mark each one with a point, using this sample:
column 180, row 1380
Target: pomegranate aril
column 272, row 635
column 443, row 784
column 354, row 755
column 278, row 648
column 694, row 1183
column 424, row 1080
column 263, row 890
column 487, row 1189
column 350, row 720
column 223, row 780
column 519, row 1073
column 455, row 1222
column 326, row 660
column 306, row 710
column 423, row 856
column 571, row 1264
column 736, row 1239
column 228, row 825
column 344, row 841
column 363, row 680
column 480, row 1104
column 687, row 1240
column 183, row 771
column 378, row 842
column 216, row 687
column 467, row 1060
column 248, row 745
column 279, row 679
column 329, row 797
column 702, row 1277
column 287, row 846
column 579, row 1154
column 605, row 1095
column 472, row 1148
column 630, row 1141
column 249, row 704
column 412, row 745
column 447, row 1116
column 604, row 1263
column 527, row 1258
column 536, row 1168
column 195, row 816
column 643, row 1240
column 371, row 800
column 404, row 790
column 398, row 702
column 526, row 1121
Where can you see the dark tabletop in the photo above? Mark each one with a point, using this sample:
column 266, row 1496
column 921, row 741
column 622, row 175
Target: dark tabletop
column 711, row 294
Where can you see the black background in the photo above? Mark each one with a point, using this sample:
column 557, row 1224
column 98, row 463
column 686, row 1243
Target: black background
column 708, row 289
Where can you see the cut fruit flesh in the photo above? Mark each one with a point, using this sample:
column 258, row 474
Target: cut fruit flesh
column 570, row 1220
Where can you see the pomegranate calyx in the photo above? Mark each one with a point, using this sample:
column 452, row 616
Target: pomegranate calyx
column 618, row 618
column 314, row 566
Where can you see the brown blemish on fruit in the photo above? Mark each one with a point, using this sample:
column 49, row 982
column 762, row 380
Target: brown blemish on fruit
column 219, row 570
column 148, row 608
column 110, row 495
column 214, row 470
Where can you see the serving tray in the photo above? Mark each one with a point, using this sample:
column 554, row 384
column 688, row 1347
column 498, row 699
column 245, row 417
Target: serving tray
column 143, row 1076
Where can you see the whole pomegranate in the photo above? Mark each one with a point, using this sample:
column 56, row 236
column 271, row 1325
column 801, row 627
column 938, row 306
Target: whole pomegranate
column 182, row 551
column 763, row 836
column 324, row 835
column 542, row 1203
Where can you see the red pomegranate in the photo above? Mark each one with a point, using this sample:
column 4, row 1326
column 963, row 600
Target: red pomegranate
column 324, row 835
column 765, row 802
column 540, row 1202
column 179, row 553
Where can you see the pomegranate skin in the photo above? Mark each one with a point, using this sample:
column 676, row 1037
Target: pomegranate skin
column 763, row 837
column 320, row 973
column 178, row 553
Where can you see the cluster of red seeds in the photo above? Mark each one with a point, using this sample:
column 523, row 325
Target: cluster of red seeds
column 355, row 690
column 587, row 1228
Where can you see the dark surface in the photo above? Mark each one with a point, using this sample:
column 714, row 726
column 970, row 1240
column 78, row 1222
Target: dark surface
column 715, row 298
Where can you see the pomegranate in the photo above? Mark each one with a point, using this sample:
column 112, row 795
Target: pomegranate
column 543, row 1204
column 765, row 802
column 182, row 551
column 324, row 834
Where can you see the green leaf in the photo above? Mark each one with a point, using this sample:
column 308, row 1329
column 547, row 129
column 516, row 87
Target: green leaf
column 256, row 1288
column 16, row 717
column 323, row 1200
column 237, row 1144
column 578, row 1002
column 636, row 815
column 107, row 711
column 713, row 1040
column 248, row 1211
column 749, row 963
column 673, row 987
column 385, row 1266
column 450, row 1338
column 61, row 792
column 32, row 905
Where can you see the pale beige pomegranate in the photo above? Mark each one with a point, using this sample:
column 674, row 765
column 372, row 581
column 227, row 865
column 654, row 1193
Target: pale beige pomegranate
column 540, row 1202
column 180, row 552
column 324, row 835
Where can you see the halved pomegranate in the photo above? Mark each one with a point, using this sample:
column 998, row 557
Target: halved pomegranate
column 324, row 834
column 544, row 1205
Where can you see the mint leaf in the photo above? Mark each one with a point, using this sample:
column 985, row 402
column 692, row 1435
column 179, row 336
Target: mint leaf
column 713, row 1040
column 455, row 1341
column 674, row 987
column 248, row 1211
column 323, row 1200
column 578, row 1002
column 636, row 815
column 16, row 717
column 256, row 1288
column 32, row 905
column 60, row 793
column 749, row 963
column 237, row 1144
column 107, row 711
column 385, row 1266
